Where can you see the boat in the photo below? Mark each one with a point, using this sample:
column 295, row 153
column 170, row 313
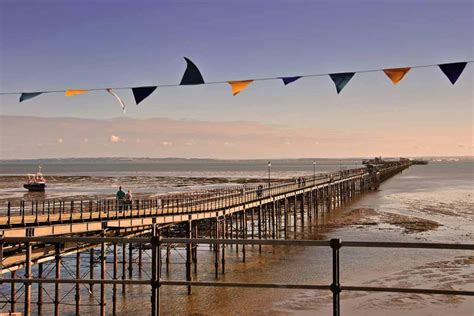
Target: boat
column 419, row 162
column 36, row 182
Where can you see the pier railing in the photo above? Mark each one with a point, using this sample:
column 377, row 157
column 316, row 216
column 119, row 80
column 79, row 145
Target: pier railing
column 155, row 281
column 170, row 204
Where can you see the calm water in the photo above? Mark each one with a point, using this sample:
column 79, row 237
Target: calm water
column 425, row 203
column 92, row 177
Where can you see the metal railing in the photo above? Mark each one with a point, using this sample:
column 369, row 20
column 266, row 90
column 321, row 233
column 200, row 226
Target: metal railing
column 155, row 281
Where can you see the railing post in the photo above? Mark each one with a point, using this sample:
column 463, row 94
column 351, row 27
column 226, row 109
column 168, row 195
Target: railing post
column 28, row 283
column 155, row 271
column 57, row 257
column 78, row 285
column 40, row 290
column 335, row 286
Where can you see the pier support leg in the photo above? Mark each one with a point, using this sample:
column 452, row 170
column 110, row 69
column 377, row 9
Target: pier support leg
column 195, row 248
column 140, row 264
column 91, row 269
column 216, row 253
column 285, row 217
column 40, row 290
column 58, row 277
column 124, row 265
column 78, row 286
column 302, row 210
column 252, row 223
column 168, row 253
column 155, row 271
column 130, row 260
column 115, row 276
column 223, row 246
column 188, row 255
column 13, row 293
column 295, row 215
column 260, row 226
column 102, row 276
column 273, row 215
column 244, row 232
column 28, row 276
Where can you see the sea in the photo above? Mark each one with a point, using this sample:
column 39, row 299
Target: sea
column 424, row 203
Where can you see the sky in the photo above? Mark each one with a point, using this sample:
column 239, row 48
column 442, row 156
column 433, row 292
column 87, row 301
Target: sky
column 56, row 45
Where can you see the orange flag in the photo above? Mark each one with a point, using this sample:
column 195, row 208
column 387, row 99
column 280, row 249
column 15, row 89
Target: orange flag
column 75, row 92
column 396, row 74
column 238, row 86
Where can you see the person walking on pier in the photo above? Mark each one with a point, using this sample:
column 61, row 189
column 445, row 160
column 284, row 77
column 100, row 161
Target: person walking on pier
column 128, row 200
column 120, row 196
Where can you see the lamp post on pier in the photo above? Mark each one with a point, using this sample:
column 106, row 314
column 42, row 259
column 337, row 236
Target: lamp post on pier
column 269, row 173
column 314, row 172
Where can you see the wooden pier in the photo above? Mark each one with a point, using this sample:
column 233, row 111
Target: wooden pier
column 33, row 234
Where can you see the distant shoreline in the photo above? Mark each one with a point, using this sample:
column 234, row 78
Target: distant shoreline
column 179, row 159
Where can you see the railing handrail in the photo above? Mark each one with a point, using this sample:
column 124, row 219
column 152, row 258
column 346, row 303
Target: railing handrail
column 270, row 242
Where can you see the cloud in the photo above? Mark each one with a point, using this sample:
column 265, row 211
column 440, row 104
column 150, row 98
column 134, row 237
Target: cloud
column 114, row 139
column 162, row 137
column 229, row 144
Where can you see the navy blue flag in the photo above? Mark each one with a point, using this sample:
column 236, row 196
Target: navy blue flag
column 453, row 70
column 29, row 95
column 192, row 75
column 141, row 93
column 341, row 79
column 288, row 80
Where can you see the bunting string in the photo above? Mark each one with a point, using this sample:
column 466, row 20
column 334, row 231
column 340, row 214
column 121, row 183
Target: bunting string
column 192, row 76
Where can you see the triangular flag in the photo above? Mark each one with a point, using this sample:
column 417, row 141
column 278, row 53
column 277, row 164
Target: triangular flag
column 69, row 93
column 238, row 86
column 287, row 80
column 141, row 93
column 112, row 93
column 453, row 70
column 341, row 79
column 192, row 75
column 29, row 95
column 396, row 74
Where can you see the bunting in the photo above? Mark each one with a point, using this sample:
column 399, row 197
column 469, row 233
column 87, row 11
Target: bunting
column 238, row 86
column 112, row 93
column 141, row 93
column 29, row 95
column 341, row 79
column 288, row 80
column 192, row 75
column 70, row 93
column 396, row 74
column 453, row 70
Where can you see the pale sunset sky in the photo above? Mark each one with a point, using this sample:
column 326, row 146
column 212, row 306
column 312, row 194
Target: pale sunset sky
column 65, row 44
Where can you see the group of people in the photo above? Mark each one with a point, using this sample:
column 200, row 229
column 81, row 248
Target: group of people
column 301, row 181
column 124, row 200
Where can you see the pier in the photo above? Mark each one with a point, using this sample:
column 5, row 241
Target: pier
column 36, row 237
